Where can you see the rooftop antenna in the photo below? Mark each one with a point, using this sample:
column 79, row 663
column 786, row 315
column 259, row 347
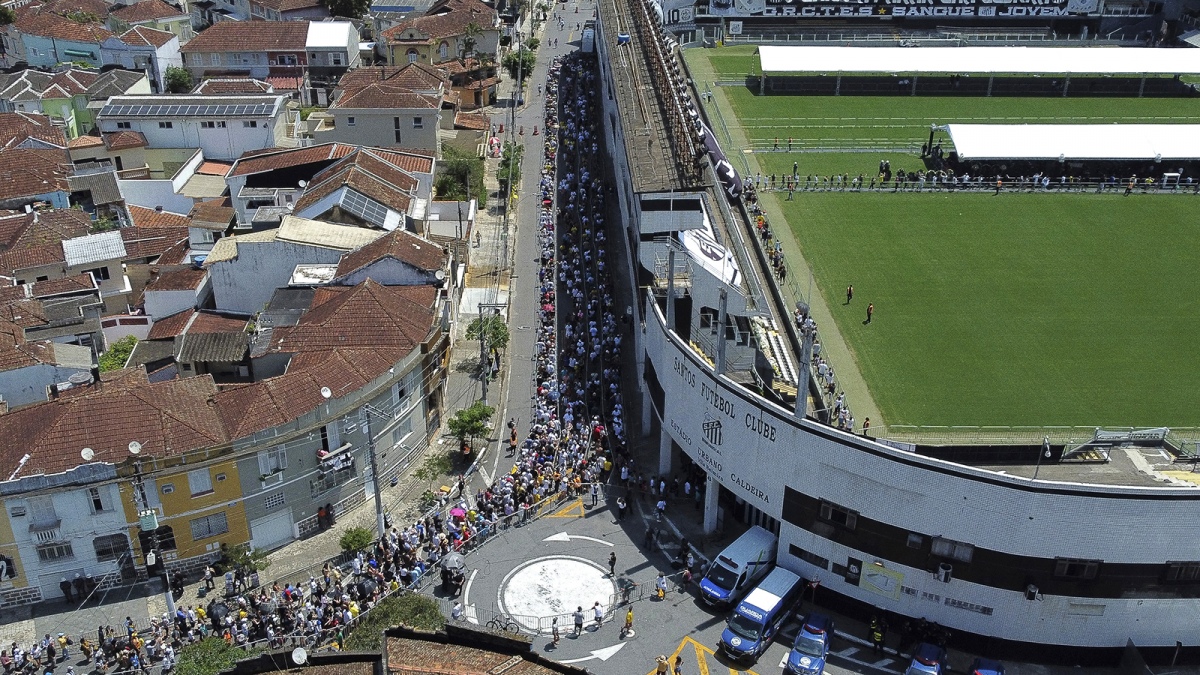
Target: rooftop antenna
column 20, row 465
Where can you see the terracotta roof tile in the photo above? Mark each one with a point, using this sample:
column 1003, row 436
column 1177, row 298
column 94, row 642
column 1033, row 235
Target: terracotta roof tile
column 222, row 86
column 213, row 214
column 212, row 168
column 212, row 322
column 85, row 142
column 379, row 95
column 188, row 279
column 237, row 36
column 150, row 242
column 124, row 140
column 399, row 244
column 147, row 10
column 146, row 37
column 170, row 418
column 51, row 227
column 144, row 217
column 444, row 20
column 26, row 313
column 412, row 76
column 290, row 5
column 170, row 326
column 17, row 127
column 177, row 254
column 472, row 120
column 71, row 284
column 49, row 25
column 281, row 159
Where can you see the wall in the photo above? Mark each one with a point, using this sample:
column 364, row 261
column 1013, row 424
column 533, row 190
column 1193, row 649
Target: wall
column 119, row 326
column 161, row 304
column 245, row 284
column 180, row 507
column 219, row 143
column 389, row 272
column 377, row 128
column 152, row 193
column 47, row 52
column 755, row 449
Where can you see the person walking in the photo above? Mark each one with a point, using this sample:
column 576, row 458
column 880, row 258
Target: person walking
column 612, row 565
column 849, row 293
column 662, row 667
column 554, row 637
column 999, row 184
column 595, row 493
column 870, row 311
column 598, row 614
column 627, row 629
column 621, row 506
column 578, row 616
column 678, row 669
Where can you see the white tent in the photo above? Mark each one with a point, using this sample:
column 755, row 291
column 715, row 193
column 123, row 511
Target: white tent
column 1076, row 141
column 980, row 60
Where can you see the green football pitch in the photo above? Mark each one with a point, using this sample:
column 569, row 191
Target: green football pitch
column 1014, row 310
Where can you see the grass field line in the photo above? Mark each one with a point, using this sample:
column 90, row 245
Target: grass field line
column 836, row 348
column 923, row 121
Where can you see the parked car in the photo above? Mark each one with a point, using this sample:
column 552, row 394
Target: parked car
column 981, row 666
column 927, row 659
column 811, row 646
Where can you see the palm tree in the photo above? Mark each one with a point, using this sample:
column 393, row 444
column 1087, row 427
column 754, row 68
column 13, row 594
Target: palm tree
column 469, row 40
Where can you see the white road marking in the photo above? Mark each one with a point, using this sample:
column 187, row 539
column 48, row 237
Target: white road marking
column 602, row 654
column 882, row 662
column 466, row 601
column 848, row 652
column 563, row 536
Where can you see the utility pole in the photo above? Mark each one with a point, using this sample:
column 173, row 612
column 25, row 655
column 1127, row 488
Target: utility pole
column 148, row 519
column 484, row 366
column 380, row 527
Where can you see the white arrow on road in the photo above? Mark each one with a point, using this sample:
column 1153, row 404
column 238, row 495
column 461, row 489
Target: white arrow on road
column 563, row 536
column 602, row 654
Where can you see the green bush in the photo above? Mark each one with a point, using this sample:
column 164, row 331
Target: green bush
column 410, row 609
column 210, row 656
column 356, row 539
column 117, row 354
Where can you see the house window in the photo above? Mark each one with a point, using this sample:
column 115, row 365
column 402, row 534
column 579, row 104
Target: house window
column 110, row 547
column 249, row 124
column 200, row 482
column 166, row 125
column 418, row 123
column 443, row 51
column 336, row 58
column 948, row 548
column 412, row 56
column 52, row 552
column 213, row 125
column 197, row 59
column 274, row 501
column 214, row 59
column 41, row 511
column 1183, row 571
column 209, row 526
column 168, row 488
column 99, row 274
column 1070, row 568
column 124, row 125
column 98, row 500
column 839, row 515
column 272, row 461
column 402, row 430
column 350, row 121
column 915, row 540
column 287, row 59
column 396, row 126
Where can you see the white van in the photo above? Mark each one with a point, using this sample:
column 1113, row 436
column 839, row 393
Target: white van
column 739, row 567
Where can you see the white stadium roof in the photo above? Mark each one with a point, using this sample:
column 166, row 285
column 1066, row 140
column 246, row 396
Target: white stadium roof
column 1076, row 141
column 981, row 60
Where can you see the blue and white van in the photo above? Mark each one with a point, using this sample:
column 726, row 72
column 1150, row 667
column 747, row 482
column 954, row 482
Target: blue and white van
column 739, row 567
column 757, row 618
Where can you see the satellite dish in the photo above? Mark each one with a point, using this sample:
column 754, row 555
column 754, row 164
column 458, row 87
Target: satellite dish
column 440, row 275
column 87, row 454
column 303, row 184
column 326, row 392
column 299, row 656
column 134, row 447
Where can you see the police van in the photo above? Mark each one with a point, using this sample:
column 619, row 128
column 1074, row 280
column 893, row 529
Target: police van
column 739, row 567
column 756, row 620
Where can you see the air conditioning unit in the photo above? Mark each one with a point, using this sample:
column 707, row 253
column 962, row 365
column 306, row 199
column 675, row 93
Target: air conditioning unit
column 945, row 572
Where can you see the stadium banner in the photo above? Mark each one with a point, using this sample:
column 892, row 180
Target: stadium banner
column 983, row 9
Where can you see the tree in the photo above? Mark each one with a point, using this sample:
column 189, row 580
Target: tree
column 457, row 170
column 519, row 63
column 210, row 656
column 179, row 80
column 532, row 44
column 409, row 609
column 470, row 423
column 510, row 162
column 492, row 328
column 350, row 9
column 117, row 354
column 356, row 539
column 7, row 16
column 249, row 559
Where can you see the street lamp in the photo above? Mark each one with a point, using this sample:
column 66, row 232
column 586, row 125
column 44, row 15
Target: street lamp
column 364, row 414
column 1044, row 452
column 148, row 520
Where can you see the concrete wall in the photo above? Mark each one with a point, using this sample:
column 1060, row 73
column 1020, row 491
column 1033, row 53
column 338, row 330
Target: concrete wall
column 225, row 143
column 246, row 283
column 389, row 272
column 161, row 304
column 377, row 128
column 23, row 386
column 152, row 193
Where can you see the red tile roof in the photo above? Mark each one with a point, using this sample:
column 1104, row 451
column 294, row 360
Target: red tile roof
column 412, row 76
column 187, row 279
column 124, row 140
column 85, row 142
column 147, row 10
column 238, row 36
column 289, row 5
column 282, row 159
column 61, row 28
column 472, row 120
column 213, row 212
column 16, row 127
column 211, row 168
column 224, row 86
column 71, row 284
column 444, row 20
column 150, row 242
column 25, row 173
column 378, row 95
column 400, row 245
column 176, row 254
column 41, row 228
column 169, row 418
column 145, row 36
column 144, row 217
column 16, row 352
column 25, row 312
column 169, row 326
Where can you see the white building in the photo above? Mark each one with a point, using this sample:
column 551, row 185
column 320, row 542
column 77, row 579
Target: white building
column 223, row 127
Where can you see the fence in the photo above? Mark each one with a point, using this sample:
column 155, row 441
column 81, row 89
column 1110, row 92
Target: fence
column 940, row 39
column 1185, row 441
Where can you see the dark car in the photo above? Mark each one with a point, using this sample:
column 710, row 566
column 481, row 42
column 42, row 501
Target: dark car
column 927, row 660
column 981, row 666
column 811, row 647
